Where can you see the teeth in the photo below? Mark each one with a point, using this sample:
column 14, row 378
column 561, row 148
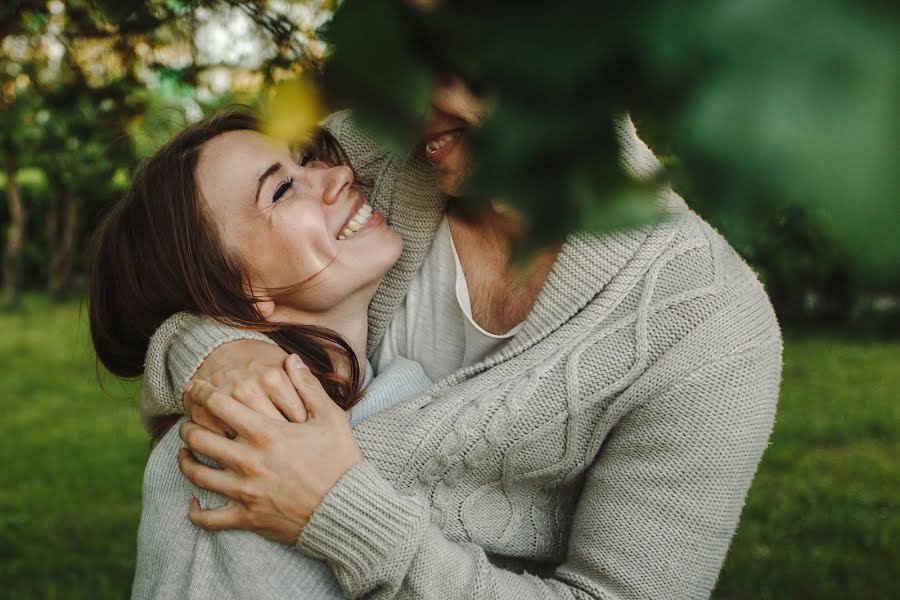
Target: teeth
column 361, row 217
column 438, row 143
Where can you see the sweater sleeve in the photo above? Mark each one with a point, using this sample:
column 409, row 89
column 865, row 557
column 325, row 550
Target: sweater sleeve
column 655, row 517
column 177, row 349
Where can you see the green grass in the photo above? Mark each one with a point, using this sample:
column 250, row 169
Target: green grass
column 72, row 458
column 821, row 520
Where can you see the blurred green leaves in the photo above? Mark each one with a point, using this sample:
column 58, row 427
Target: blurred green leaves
column 766, row 103
column 378, row 65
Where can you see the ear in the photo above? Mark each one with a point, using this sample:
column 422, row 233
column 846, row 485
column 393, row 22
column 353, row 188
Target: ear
column 266, row 307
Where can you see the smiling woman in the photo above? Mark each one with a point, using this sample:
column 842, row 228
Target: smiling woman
column 226, row 222
column 296, row 228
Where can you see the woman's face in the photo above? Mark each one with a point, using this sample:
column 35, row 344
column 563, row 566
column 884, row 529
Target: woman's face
column 291, row 223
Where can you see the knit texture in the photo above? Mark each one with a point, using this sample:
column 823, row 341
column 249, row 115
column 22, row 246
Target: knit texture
column 168, row 366
column 605, row 452
column 177, row 560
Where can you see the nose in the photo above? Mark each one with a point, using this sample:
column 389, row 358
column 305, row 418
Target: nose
column 334, row 181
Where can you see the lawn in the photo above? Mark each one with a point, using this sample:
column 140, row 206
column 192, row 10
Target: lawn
column 821, row 520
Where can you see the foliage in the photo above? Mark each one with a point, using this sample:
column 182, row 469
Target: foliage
column 86, row 89
column 765, row 102
column 820, row 521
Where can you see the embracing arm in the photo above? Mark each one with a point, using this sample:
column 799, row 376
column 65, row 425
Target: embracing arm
column 655, row 517
column 186, row 345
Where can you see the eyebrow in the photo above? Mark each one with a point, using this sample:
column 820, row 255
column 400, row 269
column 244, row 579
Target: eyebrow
column 262, row 178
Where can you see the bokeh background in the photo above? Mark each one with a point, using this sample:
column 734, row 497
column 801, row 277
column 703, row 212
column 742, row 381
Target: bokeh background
column 791, row 153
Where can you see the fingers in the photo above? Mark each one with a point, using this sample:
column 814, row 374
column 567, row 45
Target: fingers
column 203, row 417
column 207, row 478
column 241, row 419
column 317, row 402
column 229, row 516
column 250, row 394
column 222, row 450
column 280, row 390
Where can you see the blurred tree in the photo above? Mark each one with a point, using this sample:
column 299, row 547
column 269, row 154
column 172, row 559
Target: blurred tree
column 75, row 84
column 18, row 67
column 777, row 121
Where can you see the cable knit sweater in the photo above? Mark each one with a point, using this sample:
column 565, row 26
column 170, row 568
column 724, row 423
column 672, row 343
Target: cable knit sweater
column 606, row 452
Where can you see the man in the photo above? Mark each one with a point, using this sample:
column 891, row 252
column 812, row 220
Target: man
column 599, row 412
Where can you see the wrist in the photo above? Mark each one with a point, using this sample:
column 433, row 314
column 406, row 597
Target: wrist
column 363, row 510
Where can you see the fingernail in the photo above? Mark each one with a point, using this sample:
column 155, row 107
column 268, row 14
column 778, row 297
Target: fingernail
column 188, row 387
column 294, row 362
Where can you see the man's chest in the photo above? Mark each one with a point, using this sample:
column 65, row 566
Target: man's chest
column 501, row 291
column 500, row 455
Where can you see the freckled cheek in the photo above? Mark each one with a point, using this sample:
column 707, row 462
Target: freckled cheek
column 307, row 245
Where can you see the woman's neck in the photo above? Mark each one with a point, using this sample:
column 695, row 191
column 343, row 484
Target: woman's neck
column 349, row 319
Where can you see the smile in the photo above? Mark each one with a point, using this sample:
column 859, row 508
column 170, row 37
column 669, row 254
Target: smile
column 438, row 148
column 361, row 217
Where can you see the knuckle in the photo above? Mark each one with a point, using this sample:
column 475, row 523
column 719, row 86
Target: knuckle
column 196, row 518
column 216, row 400
column 190, row 437
column 305, row 380
column 242, row 464
column 264, row 437
column 297, row 404
column 247, row 495
column 243, row 390
column 272, row 377
column 197, row 477
column 220, row 378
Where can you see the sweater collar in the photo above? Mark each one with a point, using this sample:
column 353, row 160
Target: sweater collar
column 584, row 267
column 415, row 218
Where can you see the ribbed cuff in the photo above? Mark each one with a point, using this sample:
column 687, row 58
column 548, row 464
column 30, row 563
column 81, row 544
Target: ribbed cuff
column 364, row 528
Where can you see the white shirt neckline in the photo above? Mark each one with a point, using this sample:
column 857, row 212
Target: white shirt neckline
column 462, row 295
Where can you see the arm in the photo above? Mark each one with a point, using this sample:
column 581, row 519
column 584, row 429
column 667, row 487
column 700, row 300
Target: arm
column 655, row 517
column 659, row 505
column 246, row 362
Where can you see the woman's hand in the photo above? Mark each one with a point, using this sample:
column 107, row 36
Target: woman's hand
column 274, row 472
column 251, row 372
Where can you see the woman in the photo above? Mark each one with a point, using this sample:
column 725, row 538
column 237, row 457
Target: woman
column 225, row 222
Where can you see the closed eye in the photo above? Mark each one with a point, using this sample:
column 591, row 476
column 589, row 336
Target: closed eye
column 282, row 188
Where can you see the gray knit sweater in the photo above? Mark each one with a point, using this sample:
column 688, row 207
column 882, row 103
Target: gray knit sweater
column 604, row 453
column 176, row 560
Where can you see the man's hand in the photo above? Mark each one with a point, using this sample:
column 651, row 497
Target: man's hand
column 275, row 473
column 251, row 372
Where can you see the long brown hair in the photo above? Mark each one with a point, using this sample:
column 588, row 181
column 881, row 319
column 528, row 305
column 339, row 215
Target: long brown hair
column 158, row 253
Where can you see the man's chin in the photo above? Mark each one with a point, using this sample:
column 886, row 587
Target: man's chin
column 449, row 183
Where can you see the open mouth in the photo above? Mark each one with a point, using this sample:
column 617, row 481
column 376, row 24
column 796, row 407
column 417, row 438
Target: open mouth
column 440, row 146
column 356, row 222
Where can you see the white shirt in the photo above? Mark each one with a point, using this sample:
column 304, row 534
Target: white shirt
column 433, row 325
